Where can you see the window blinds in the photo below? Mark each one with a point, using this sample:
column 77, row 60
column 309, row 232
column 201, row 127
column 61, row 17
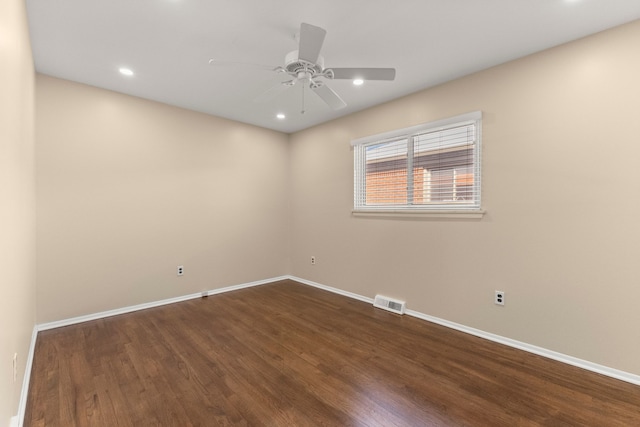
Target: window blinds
column 429, row 167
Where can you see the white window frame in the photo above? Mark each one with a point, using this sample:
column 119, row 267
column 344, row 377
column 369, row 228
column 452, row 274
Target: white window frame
column 445, row 209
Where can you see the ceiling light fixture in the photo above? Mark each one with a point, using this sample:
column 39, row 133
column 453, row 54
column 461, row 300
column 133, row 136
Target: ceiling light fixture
column 358, row 82
column 280, row 116
column 126, row 71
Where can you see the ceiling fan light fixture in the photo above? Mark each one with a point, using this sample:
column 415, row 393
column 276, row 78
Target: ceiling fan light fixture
column 306, row 67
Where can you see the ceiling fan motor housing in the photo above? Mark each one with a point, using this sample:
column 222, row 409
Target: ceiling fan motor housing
column 294, row 65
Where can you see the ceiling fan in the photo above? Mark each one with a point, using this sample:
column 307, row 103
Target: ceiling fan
column 306, row 66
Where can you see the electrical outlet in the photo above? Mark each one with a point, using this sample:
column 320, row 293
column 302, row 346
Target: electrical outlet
column 313, row 260
column 499, row 298
column 15, row 367
column 180, row 270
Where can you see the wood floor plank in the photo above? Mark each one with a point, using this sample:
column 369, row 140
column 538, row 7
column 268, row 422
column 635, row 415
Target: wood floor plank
column 286, row 354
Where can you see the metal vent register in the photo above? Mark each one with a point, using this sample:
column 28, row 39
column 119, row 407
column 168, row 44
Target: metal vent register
column 389, row 304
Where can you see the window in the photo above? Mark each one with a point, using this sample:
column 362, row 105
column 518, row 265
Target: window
column 431, row 167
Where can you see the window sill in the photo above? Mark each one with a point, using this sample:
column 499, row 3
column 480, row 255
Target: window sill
column 390, row 213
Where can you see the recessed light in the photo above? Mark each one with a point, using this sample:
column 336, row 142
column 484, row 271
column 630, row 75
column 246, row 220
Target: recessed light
column 358, row 82
column 126, row 71
column 280, row 116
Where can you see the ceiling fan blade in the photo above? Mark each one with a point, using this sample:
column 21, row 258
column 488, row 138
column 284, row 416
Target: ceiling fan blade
column 329, row 96
column 311, row 39
column 273, row 92
column 364, row 73
column 222, row 63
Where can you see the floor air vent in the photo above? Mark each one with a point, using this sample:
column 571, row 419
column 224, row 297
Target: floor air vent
column 389, row 304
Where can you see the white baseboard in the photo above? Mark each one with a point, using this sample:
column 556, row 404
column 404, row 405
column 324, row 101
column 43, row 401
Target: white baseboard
column 330, row 289
column 540, row 351
column 246, row 285
column 132, row 308
column 18, row 420
column 115, row 312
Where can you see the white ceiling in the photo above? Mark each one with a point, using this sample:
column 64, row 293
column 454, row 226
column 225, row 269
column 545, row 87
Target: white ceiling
column 168, row 44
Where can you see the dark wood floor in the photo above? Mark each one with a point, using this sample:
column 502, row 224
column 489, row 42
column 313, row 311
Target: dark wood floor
column 287, row 354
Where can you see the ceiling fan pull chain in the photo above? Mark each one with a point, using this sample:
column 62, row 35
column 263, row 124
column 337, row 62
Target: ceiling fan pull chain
column 303, row 87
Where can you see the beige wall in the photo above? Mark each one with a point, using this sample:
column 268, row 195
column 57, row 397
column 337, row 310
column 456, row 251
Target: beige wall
column 561, row 190
column 128, row 189
column 17, row 202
